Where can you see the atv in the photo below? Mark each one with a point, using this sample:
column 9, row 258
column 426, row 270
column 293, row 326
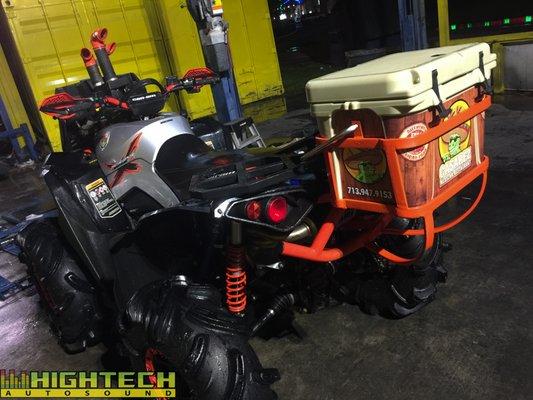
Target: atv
column 177, row 254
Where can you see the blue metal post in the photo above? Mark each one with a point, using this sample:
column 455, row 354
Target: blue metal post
column 413, row 24
column 213, row 32
column 226, row 98
column 12, row 134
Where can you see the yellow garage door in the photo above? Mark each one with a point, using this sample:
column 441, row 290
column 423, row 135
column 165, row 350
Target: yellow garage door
column 254, row 51
column 49, row 35
column 155, row 38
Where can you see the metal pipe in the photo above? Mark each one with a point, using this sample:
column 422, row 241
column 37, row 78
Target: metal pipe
column 300, row 232
column 236, row 233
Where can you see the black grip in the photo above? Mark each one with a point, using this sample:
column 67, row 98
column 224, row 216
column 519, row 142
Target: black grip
column 95, row 75
column 105, row 64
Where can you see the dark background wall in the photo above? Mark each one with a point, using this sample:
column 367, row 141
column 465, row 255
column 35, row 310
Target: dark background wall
column 480, row 10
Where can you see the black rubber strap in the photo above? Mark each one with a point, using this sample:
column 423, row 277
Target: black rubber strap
column 487, row 86
column 443, row 111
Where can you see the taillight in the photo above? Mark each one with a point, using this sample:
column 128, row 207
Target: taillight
column 253, row 210
column 277, row 209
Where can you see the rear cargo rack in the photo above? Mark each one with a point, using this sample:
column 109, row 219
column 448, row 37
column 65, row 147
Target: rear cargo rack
column 392, row 149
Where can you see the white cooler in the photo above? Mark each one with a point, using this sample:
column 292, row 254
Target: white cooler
column 425, row 94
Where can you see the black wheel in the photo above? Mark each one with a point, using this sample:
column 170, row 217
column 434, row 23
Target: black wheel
column 67, row 295
column 171, row 327
column 394, row 291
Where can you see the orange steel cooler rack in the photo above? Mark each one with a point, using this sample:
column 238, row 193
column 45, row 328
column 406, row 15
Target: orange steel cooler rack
column 318, row 251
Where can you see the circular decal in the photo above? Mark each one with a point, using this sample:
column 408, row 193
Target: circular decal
column 104, row 140
column 458, row 139
column 365, row 166
column 410, row 132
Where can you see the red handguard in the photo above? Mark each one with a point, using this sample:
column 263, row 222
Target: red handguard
column 57, row 105
column 196, row 76
column 197, row 73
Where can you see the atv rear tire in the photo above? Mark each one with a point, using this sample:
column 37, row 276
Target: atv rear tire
column 172, row 327
column 395, row 291
column 68, row 298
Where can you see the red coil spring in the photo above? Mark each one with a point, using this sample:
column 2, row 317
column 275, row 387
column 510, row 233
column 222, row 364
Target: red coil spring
column 236, row 280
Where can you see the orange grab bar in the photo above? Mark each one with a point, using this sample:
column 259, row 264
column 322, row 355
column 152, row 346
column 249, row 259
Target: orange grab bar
column 318, row 252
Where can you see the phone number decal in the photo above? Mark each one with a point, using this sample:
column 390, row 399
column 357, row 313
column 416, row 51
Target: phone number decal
column 381, row 194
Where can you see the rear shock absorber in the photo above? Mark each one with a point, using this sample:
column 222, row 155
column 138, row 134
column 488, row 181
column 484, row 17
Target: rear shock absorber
column 235, row 273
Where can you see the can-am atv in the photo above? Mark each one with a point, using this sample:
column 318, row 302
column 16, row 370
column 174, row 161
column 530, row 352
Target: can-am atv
column 180, row 254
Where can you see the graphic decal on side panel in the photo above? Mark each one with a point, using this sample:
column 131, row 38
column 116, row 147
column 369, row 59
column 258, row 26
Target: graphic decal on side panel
column 365, row 166
column 454, row 147
column 413, row 131
column 126, row 166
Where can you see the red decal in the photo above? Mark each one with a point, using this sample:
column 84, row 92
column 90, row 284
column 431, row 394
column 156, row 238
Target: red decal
column 128, row 167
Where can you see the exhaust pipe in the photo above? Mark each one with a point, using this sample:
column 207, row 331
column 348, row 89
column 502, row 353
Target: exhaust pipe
column 103, row 52
column 302, row 231
column 92, row 67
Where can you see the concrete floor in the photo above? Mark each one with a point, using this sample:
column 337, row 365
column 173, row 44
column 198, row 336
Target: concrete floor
column 474, row 342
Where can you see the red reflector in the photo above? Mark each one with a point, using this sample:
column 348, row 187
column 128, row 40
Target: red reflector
column 277, row 209
column 253, row 210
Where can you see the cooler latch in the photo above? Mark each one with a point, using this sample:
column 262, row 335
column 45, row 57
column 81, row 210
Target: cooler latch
column 487, row 86
column 443, row 112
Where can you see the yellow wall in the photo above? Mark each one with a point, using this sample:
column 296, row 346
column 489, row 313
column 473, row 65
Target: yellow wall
column 253, row 49
column 154, row 38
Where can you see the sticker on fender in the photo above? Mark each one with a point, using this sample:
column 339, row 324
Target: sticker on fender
column 102, row 199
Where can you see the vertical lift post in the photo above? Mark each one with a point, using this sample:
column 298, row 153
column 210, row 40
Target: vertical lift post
column 213, row 31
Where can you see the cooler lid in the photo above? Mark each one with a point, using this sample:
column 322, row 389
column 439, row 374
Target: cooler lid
column 402, row 75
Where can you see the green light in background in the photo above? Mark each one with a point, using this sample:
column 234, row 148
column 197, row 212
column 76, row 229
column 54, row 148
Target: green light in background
column 528, row 19
column 506, row 21
column 469, row 25
column 453, row 27
column 486, row 24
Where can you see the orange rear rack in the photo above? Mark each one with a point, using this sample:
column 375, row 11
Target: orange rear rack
column 318, row 251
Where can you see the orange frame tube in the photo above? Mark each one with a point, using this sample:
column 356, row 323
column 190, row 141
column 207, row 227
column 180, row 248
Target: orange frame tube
column 318, row 252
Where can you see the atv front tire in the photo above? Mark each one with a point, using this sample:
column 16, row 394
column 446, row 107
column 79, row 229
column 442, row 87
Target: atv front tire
column 171, row 327
column 67, row 295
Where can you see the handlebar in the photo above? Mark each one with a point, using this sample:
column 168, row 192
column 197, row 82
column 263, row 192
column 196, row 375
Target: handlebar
column 64, row 106
column 112, row 92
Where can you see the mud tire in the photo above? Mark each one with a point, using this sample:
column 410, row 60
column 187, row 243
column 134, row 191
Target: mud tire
column 206, row 346
column 69, row 299
column 395, row 291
